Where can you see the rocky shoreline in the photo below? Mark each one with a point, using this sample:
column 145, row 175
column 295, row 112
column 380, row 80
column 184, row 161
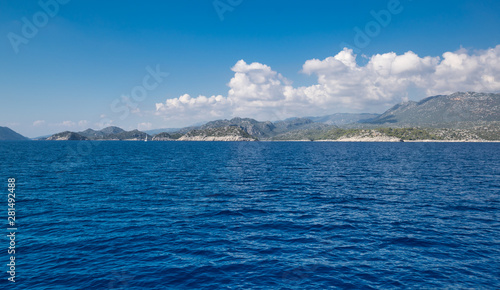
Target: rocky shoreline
column 215, row 138
column 369, row 139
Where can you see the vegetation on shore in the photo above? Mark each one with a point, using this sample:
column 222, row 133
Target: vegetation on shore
column 228, row 132
column 339, row 133
column 406, row 134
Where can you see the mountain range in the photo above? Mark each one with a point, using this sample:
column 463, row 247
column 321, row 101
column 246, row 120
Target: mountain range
column 108, row 133
column 457, row 110
column 9, row 134
column 340, row 119
column 462, row 115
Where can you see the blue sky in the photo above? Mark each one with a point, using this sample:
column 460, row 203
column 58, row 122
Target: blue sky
column 93, row 53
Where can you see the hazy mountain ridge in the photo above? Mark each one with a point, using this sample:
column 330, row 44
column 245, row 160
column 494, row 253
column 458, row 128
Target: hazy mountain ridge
column 343, row 118
column 93, row 134
column 227, row 133
column 166, row 137
column 267, row 129
column 251, row 126
column 154, row 132
column 67, row 136
column 108, row 133
column 7, row 134
column 458, row 110
column 128, row 135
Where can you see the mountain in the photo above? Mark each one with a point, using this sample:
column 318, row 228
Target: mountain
column 263, row 130
column 163, row 137
column 66, row 136
column 109, row 133
column 128, row 135
column 342, row 118
column 227, row 133
column 11, row 135
column 112, row 130
column 164, row 130
column 89, row 133
column 101, row 134
column 295, row 124
column 458, row 110
column 251, row 126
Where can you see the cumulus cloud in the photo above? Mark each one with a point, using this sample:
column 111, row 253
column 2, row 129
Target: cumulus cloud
column 83, row 123
column 103, row 123
column 258, row 91
column 136, row 111
column 67, row 124
column 39, row 123
column 197, row 109
column 255, row 91
column 385, row 79
column 463, row 72
column 144, row 126
column 342, row 85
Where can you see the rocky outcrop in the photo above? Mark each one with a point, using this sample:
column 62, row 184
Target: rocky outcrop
column 134, row 135
column 66, row 136
column 228, row 133
column 101, row 134
column 364, row 136
column 163, row 137
column 213, row 138
column 369, row 139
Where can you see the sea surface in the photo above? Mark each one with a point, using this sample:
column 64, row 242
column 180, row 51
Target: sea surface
column 256, row 215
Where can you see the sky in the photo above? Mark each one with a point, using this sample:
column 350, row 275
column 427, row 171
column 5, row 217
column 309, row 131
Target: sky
column 74, row 64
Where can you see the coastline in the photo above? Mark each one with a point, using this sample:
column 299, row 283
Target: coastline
column 390, row 141
column 350, row 140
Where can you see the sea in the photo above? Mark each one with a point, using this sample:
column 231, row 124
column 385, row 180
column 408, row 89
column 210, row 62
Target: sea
column 252, row 215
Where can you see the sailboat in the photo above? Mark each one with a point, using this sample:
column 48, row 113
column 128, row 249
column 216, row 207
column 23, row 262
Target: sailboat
column 146, row 140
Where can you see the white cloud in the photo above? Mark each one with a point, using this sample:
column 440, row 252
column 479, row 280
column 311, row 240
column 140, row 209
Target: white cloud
column 39, row 123
column 342, row 85
column 103, row 123
column 67, row 124
column 258, row 91
column 385, row 79
column 463, row 72
column 136, row 111
column 144, row 126
column 197, row 109
column 255, row 91
column 83, row 123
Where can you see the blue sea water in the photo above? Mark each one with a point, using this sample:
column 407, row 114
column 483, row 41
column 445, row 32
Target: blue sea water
column 256, row 215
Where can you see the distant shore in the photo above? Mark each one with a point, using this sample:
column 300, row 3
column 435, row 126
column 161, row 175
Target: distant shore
column 346, row 140
column 390, row 141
